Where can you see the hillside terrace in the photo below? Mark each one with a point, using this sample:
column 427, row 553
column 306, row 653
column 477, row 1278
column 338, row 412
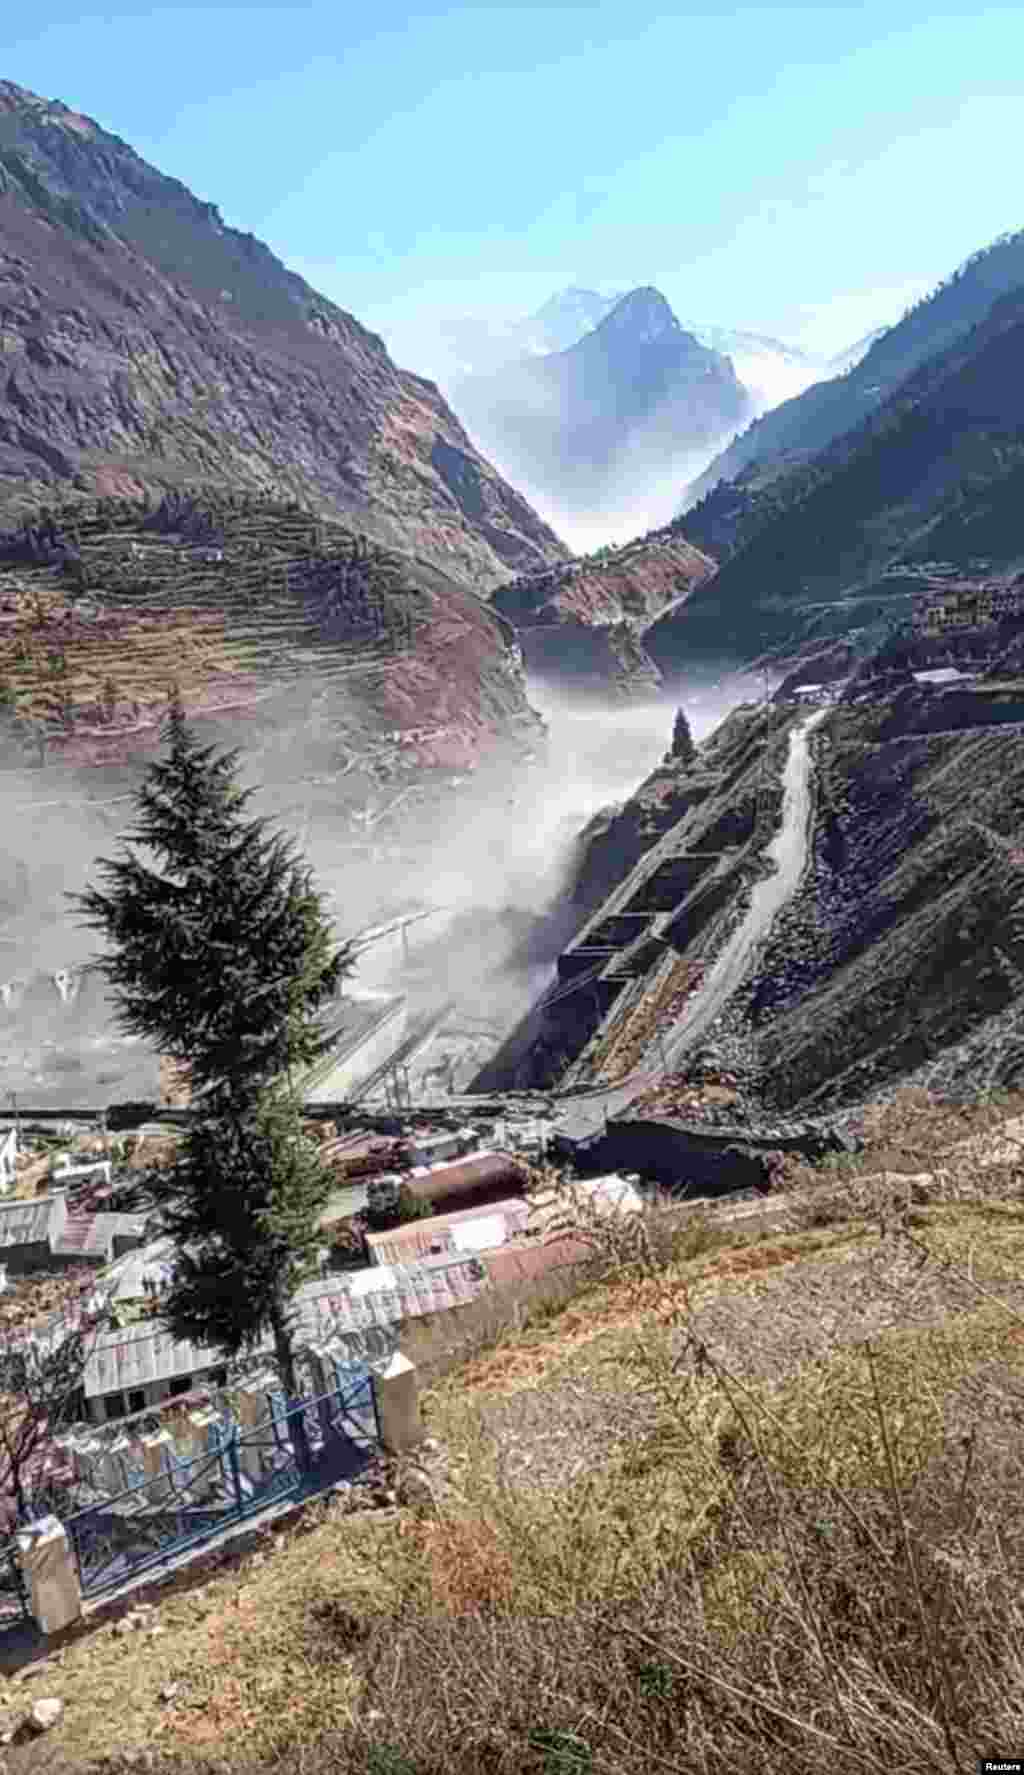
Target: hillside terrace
column 102, row 606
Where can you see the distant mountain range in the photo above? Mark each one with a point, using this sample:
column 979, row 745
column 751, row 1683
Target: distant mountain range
column 823, row 541
column 642, row 436
column 796, row 430
column 587, row 429
column 770, row 369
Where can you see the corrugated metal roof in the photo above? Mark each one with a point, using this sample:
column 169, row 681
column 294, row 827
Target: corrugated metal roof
column 482, row 1171
column 26, row 1223
column 137, row 1355
column 417, row 1237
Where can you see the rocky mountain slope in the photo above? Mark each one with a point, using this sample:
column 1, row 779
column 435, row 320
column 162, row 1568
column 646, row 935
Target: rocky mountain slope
column 903, row 956
column 771, row 370
column 896, row 954
column 582, row 622
column 240, row 601
column 589, row 426
column 932, row 478
column 144, row 345
column 802, row 426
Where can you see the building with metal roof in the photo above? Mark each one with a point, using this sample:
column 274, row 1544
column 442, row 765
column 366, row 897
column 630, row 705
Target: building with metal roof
column 485, row 1177
column 465, row 1229
column 29, row 1231
column 138, row 1366
column 97, row 1238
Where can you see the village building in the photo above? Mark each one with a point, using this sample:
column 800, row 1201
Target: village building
column 139, row 1366
column 949, row 604
column 42, row 1234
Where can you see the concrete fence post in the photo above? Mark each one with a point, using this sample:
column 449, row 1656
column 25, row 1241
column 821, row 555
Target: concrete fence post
column 202, row 1480
column 396, row 1395
column 252, row 1409
column 50, row 1570
column 85, row 1456
column 116, row 1475
column 155, row 1465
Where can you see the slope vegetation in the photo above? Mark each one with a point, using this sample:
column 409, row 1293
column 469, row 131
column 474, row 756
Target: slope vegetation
column 932, row 477
column 243, row 603
column 800, row 427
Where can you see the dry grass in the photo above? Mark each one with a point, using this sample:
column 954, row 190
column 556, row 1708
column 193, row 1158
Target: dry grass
column 765, row 1515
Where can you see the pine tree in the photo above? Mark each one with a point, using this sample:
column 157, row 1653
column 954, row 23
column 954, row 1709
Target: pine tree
column 242, row 1204
column 683, row 748
column 221, row 956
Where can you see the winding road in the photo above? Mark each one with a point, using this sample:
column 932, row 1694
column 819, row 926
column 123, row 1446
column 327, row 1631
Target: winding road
column 580, row 1116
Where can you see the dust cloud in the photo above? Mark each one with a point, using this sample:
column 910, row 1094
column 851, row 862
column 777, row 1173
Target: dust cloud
column 483, row 865
column 497, row 879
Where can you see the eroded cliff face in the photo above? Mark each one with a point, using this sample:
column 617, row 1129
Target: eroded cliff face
column 144, row 345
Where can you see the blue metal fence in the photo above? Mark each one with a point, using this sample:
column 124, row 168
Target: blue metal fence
column 299, row 1448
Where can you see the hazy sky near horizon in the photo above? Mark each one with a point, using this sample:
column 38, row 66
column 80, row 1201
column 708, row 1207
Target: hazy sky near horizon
column 802, row 170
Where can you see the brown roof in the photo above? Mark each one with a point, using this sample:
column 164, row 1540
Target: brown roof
column 464, row 1177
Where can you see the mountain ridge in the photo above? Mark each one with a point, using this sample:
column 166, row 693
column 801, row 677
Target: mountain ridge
column 931, row 476
column 146, row 344
column 810, row 421
column 591, row 424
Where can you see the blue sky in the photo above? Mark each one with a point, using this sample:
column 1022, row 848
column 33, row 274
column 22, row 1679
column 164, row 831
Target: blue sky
column 801, row 170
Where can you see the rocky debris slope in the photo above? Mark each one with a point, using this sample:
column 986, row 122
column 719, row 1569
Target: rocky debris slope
column 906, row 943
column 900, row 957
column 582, row 622
column 666, row 880
column 144, row 344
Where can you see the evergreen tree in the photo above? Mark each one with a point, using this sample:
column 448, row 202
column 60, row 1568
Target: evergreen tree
column 221, row 956
column 683, row 747
column 242, row 1204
